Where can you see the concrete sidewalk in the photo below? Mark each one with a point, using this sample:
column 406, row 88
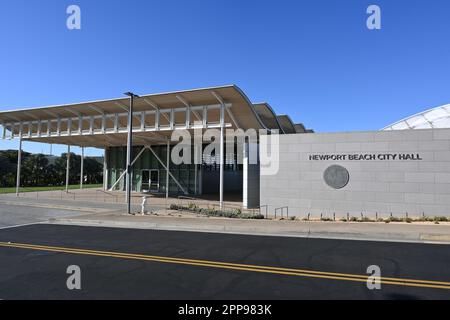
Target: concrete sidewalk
column 403, row 232
column 72, row 205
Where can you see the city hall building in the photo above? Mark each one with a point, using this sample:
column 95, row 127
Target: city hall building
column 404, row 168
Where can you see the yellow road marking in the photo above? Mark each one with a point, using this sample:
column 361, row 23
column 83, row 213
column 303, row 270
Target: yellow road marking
column 235, row 266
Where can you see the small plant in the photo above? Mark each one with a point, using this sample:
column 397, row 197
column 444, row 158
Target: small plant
column 212, row 212
column 192, row 206
column 293, row 218
column 354, row 219
column 394, row 219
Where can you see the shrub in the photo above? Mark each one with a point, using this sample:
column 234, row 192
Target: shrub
column 394, row 219
column 192, row 206
column 236, row 213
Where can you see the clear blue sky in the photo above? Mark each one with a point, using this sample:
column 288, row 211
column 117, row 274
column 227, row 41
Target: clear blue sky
column 314, row 60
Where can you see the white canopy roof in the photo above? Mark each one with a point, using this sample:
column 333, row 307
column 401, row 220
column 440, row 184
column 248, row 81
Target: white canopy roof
column 433, row 118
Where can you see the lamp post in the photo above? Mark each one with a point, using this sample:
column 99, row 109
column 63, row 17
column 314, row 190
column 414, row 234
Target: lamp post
column 129, row 149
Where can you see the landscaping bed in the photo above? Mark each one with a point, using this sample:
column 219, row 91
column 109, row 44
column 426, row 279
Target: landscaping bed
column 235, row 213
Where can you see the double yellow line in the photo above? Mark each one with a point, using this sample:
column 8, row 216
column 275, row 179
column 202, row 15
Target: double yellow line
column 236, row 266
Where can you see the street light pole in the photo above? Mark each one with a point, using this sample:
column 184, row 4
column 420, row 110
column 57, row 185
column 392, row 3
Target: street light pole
column 129, row 149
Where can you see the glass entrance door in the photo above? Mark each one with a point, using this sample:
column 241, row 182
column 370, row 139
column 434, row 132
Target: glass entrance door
column 154, row 180
column 145, row 185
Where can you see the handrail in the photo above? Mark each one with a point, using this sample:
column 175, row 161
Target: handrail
column 109, row 194
column 282, row 210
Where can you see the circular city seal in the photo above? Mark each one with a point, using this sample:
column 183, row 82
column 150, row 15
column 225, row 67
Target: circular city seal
column 336, row 176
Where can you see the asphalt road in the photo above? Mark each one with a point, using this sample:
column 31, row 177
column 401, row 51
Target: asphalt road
column 231, row 266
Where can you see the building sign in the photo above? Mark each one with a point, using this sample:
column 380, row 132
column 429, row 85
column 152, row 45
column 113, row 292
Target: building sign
column 366, row 157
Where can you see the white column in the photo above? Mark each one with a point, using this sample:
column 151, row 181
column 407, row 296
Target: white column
column 105, row 170
column 129, row 151
column 67, row 168
column 196, row 159
column 222, row 114
column 19, row 164
column 250, row 175
column 82, row 168
column 167, row 168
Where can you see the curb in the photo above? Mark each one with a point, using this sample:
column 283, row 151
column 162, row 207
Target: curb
column 260, row 231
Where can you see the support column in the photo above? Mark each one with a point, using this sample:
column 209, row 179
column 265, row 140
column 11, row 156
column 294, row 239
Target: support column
column 82, row 168
column 67, row 169
column 19, row 164
column 196, row 159
column 250, row 176
column 167, row 169
column 105, row 170
column 222, row 114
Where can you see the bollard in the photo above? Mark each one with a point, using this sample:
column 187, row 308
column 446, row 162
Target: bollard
column 348, row 217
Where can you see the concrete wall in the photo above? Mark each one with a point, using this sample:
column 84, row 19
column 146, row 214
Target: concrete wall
column 380, row 185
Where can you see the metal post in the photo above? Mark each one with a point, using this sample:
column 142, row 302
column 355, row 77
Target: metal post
column 167, row 170
column 19, row 164
column 222, row 114
column 129, row 150
column 67, row 169
column 82, row 168
column 129, row 144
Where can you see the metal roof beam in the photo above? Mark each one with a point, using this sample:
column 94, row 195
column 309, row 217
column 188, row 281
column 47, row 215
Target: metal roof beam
column 230, row 114
column 188, row 106
column 97, row 109
column 156, row 107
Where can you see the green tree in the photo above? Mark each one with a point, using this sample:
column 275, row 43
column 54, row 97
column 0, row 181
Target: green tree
column 35, row 170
